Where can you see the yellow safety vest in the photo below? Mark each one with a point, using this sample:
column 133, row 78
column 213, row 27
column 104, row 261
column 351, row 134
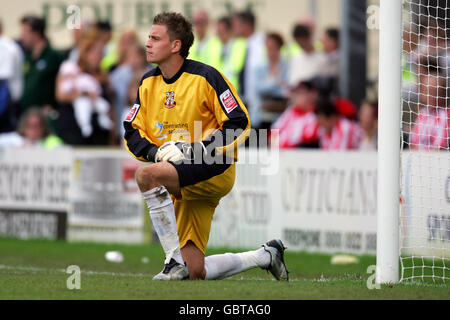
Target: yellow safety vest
column 235, row 61
column 51, row 142
column 211, row 54
column 208, row 51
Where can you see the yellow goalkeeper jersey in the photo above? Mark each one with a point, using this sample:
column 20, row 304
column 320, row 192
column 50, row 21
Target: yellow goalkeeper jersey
column 194, row 105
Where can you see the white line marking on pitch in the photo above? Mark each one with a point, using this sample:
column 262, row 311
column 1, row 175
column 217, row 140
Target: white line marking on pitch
column 121, row 274
column 89, row 272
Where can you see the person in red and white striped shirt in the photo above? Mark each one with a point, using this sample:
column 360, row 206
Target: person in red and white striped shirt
column 335, row 132
column 297, row 126
column 431, row 128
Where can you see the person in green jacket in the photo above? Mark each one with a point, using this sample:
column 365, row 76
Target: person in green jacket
column 40, row 67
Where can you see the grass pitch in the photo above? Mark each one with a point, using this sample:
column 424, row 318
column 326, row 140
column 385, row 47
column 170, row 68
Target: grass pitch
column 36, row 269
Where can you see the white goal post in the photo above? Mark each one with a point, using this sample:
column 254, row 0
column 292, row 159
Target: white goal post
column 413, row 218
column 389, row 104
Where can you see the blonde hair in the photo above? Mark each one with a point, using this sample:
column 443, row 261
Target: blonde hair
column 89, row 39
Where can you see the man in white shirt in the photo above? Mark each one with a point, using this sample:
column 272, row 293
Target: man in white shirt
column 309, row 62
column 11, row 82
column 11, row 61
column 330, row 41
column 244, row 25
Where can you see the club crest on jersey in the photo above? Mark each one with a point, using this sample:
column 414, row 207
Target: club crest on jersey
column 170, row 100
column 228, row 101
column 133, row 112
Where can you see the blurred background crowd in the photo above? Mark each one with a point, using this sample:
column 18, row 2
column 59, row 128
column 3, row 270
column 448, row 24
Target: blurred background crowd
column 79, row 96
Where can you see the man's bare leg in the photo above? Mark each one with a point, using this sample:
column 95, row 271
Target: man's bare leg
column 195, row 260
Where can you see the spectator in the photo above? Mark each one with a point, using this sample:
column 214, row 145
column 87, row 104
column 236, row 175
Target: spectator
column 328, row 86
column 335, row 132
column 35, row 131
column 134, row 63
column 224, row 32
column 330, row 41
column 84, row 110
column 11, row 82
column 127, row 39
column 32, row 131
column 431, row 128
column 72, row 53
column 231, row 57
column 432, row 41
column 7, row 111
column 205, row 49
column 368, row 121
column 109, row 54
column 271, row 82
column 409, row 71
column 41, row 66
column 244, row 25
column 297, row 125
column 309, row 62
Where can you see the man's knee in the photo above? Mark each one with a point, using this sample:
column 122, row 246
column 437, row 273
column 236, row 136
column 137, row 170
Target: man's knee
column 147, row 177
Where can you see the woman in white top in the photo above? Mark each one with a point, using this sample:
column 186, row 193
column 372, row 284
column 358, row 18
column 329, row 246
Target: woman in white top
column 78, row 84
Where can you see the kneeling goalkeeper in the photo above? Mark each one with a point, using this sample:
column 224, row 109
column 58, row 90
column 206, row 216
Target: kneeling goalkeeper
column 182, row 121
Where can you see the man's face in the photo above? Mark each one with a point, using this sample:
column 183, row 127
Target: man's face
column 329, row 44
column 27, row 36
column 159, row 47
column 222, row 32
column 200, row 24
column 238, row 27
column 34, row 129
column 304, row 98
column 273, row 50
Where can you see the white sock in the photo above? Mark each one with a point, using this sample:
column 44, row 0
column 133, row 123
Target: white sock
column 162, row 213
column 221, row 266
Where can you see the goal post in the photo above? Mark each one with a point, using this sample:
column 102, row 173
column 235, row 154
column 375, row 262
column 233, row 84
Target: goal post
column 413, row 204
column 388, row 190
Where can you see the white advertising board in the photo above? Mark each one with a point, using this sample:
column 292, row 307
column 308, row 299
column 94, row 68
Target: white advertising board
column 35, row 178
column 315, row 201
column 76, row 194
column 425, row 216
column 328, row 201
column 105, row 203
column 34, row 192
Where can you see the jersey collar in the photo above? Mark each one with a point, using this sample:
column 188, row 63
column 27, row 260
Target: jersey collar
column 177, row 75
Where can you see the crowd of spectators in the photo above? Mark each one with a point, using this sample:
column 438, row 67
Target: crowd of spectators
column 79, row 96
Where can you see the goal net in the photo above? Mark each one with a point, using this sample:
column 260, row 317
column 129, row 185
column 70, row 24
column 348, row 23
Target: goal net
column 425, row 157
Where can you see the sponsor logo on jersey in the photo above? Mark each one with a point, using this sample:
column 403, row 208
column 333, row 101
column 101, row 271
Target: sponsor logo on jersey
column 170, row 100
column 133, row 112
column 228, row 101
column 161, row 136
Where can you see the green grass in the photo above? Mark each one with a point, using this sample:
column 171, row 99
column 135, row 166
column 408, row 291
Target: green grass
column 35, row 269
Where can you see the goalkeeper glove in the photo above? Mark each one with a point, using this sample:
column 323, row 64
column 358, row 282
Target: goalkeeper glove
column 180, row 150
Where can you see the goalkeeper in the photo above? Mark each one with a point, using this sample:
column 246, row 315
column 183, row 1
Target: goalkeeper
column 188, row 122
